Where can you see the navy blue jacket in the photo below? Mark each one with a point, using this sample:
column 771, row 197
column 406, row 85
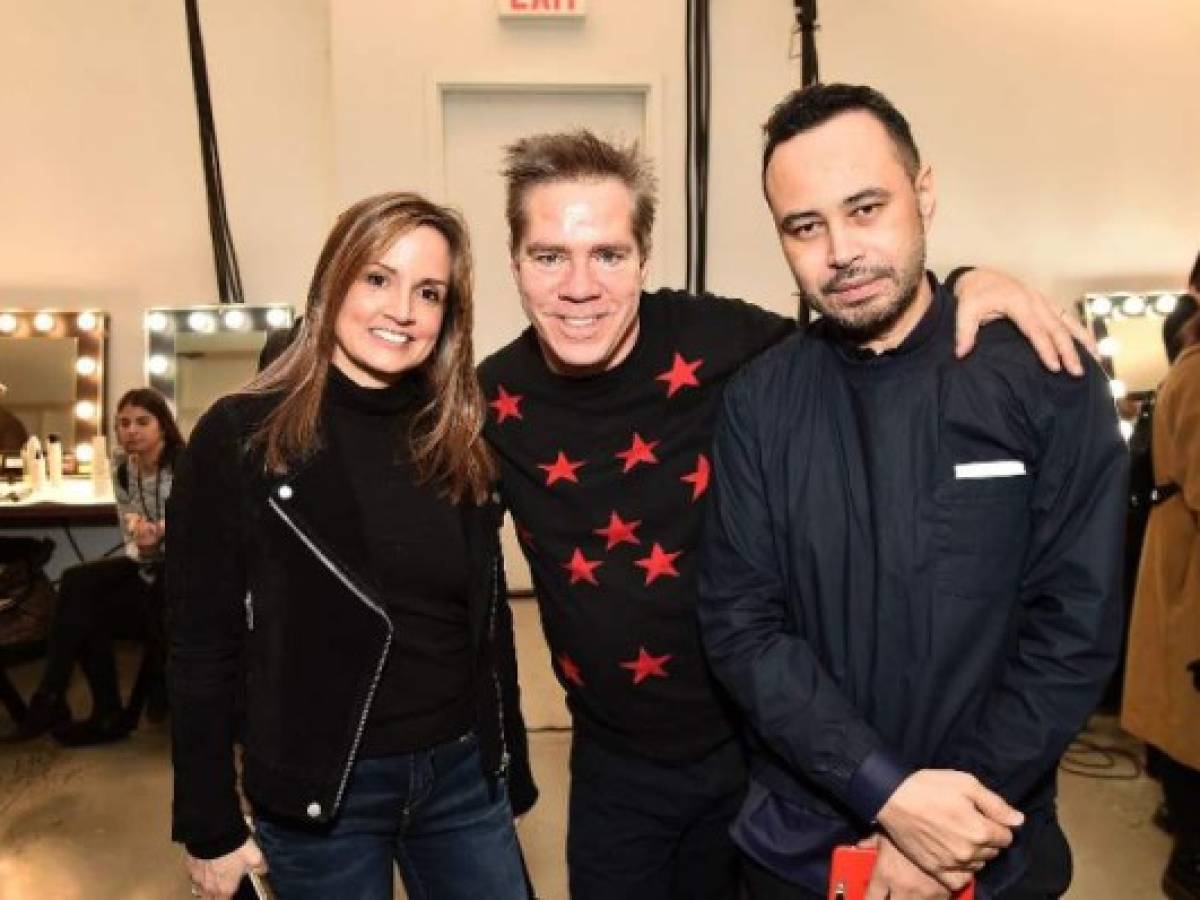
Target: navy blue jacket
column 909, row 562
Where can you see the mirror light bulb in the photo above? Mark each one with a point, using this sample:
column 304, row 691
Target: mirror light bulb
column 1118, row 389
column 86, row 365
column 1101, row 306
column 43, row 321
column 8, row 323
column 235, row 320
column 1165, row 304
column 1108, row 346
column 157, row 321
column 158, row 364
column 86, row 321
column 1133, row 305
column 200, row 321
column 278, row 317
column 85, row 409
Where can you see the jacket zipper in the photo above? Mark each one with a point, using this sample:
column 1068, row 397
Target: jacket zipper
column 362, row 722
column 504, row 756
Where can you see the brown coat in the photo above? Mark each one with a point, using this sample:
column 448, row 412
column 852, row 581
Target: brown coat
column 1162, row 705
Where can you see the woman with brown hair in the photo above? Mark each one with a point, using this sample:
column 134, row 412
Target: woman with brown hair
column 337, row 598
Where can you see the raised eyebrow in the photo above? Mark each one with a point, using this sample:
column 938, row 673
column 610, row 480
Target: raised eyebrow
column 791, row 220
column 544, row 248
column 870, row 194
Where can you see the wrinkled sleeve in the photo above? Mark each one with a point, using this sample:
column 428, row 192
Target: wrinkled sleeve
column 790, row 700
column 1069, row 633
column 206, row 589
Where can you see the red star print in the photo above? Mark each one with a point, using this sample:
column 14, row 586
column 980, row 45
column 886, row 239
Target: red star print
column 639, row 452
column 582, row 568
column 506, row 405
column 698, row 478
column 658, row 563
column 681, row 374
column 646, row 665
column 562, row 469
column 618, row 532
column 570, row 671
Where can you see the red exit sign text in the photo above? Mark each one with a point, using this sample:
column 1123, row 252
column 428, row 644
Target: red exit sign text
column 514, row 8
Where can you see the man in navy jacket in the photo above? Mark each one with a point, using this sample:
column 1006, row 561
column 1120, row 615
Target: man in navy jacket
column 909, row 582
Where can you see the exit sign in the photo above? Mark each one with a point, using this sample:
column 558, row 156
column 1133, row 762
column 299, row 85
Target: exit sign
column 542, row 8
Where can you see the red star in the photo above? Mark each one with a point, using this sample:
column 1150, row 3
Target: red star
column 618, row 532
column 646, row 665
column 639, row 452
column 681, row 374
column 506, row 405
column 698, row 478
column 582, row 568
column 562, row 469
column 569, row 669
column 658, row 563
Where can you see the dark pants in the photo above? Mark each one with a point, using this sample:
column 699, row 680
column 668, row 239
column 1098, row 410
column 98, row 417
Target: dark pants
column 1181, row 790
column 653, row 831
column 432, row 812
column 96, row 602
column 1047, row 878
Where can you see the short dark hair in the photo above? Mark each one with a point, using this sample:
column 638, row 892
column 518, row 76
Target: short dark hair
column 805, row 109
column 1174, row 339
column 573, row 155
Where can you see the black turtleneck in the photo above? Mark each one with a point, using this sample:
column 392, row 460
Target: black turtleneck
column 415, row 545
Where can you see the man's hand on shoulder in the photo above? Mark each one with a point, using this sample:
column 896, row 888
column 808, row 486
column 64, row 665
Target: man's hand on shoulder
column 985, row 295
column 948, row 823
column 896, row 877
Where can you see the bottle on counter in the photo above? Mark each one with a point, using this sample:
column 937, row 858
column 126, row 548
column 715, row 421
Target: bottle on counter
column 35, row 463
column 54, row 460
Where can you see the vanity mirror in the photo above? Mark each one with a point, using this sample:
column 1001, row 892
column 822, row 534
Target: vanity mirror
column 195, row 354
column 52, row 364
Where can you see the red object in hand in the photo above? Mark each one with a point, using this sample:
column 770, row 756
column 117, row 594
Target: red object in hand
column 850, row 873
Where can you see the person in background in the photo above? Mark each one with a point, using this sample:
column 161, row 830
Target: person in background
column 123, row 595
column 1162, row 679
column 909, row 573
column 336, row 595
column 601, row 417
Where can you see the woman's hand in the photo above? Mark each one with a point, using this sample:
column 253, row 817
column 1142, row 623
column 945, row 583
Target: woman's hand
column 985, row 295
column 217, row 879
column 148, row 535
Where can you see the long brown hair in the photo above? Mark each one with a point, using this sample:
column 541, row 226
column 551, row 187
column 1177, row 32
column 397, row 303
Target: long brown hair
column 445, row 440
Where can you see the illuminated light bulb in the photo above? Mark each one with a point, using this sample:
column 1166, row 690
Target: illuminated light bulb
column 201, row 321
column 85, row 409
column 86, row 321
column 1133, row 305
column 8, row 323
column 157, row 321
column 278, row 317
column 1118, row 389
column 235, row 320
column 1101, row 306
column 1165, row 304
column 1126, row 429
column 158, row 364
column 43, row 321
column 1108, row 346
column 86, row 365
column 84, row 453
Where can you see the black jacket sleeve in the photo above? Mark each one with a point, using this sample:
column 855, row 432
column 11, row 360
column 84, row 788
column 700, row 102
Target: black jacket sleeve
column 778, row 682
column 522, row 791
column 1070, row 627
column 206, row 587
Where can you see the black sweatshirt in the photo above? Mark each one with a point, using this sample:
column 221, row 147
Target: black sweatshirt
column 418, row 562
column 605, row 477
column 909, row 562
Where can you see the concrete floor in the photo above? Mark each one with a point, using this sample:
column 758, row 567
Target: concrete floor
column 93, row 824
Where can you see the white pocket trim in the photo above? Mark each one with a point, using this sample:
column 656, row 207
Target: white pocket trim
column 1000, row 468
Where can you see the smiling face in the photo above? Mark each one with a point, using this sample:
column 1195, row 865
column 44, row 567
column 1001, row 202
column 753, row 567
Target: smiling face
column 852, row 225
column 580, row 274
column 389, row 321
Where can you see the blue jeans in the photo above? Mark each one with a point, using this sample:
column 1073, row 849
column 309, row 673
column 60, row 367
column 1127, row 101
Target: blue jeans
column 429, row 811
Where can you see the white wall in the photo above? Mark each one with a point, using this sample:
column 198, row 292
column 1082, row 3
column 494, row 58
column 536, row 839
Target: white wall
column 101, row 188
column 1063, row 134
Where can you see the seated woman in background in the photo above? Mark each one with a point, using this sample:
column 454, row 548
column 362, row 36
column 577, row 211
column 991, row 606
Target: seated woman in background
column 336, row 595
column 122, row 595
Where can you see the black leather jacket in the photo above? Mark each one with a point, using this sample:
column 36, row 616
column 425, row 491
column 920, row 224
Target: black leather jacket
column 278, row 643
